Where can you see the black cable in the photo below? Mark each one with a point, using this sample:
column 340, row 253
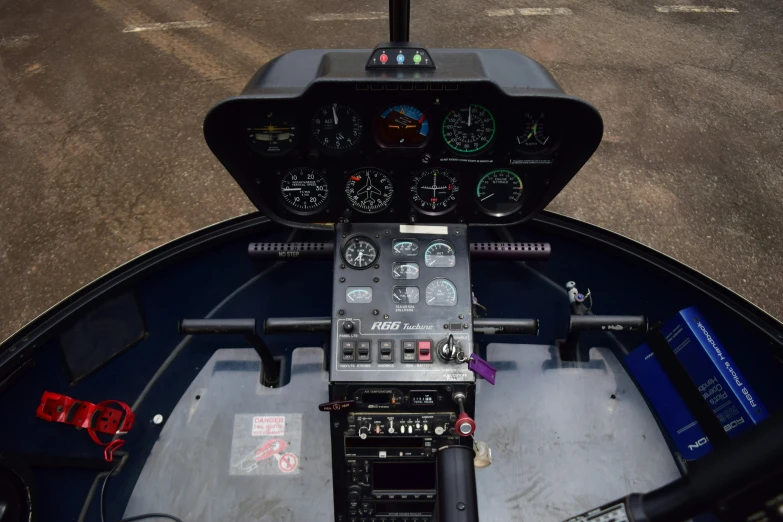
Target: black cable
column 151, row 515
column 103, row 492
column 130, row 519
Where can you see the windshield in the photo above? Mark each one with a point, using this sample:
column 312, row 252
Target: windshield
column 103, row 157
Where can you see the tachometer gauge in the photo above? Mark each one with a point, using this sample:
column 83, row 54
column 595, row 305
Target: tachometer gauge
column 272, row 135
column 401, row 126
column 369, row 190
column 499, row 192
column 536, row 135
column 405, row 247
column 441, row 292
column 304, row 190
column 434, row 191
column 358, row 294
column 360, row 252
column 440, row 254
column 405, row 270
column 336, row 127
column 405, row 295
column 468, row 129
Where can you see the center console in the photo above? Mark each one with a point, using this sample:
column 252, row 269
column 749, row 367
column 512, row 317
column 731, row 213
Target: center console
column 401, row 388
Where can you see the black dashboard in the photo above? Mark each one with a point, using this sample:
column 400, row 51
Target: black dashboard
column 316, row 137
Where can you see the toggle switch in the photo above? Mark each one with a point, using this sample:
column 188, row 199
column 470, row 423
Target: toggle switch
column 425, row 351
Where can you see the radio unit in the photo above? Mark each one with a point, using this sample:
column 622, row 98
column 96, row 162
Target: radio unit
column 384, row 447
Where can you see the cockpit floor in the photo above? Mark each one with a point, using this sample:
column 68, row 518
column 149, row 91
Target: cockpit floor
column 564, row 439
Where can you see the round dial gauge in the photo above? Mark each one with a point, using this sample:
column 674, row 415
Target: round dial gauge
column 405, row 295
column 499, row 192
column 304, row 190
column 369, row 190
column 440, row 292
column 336, row 127
column 405, row 270
column 273, row 134
column 440, row 254
column 405, row 247
column 468, row 129
column 360, row 252
column 434, row 191
column 401, row 126
column 536, row 134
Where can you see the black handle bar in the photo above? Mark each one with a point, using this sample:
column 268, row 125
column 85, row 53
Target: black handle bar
column 516, row 251
column 487, row 326
column 241, row 326
column 490, row 326
column 278, row 325
column 624, row 323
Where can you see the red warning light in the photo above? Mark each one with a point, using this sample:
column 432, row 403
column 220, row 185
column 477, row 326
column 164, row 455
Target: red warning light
column 384, row 57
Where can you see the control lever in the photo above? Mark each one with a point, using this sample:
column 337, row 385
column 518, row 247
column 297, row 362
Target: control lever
column 465, row 424
column 244, row 327
column 497, row 326
column 583, row 320
column 740, row 481
column 283, row 325
column 457, row 499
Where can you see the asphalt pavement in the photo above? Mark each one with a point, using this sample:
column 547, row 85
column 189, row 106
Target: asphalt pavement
column 101, row 104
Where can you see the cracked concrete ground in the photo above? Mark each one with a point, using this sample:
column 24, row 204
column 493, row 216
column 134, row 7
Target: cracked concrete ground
column 102, row 156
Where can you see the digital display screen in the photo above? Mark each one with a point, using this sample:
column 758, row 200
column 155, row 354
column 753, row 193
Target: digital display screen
column 424, row 398
column 404, row 476
column 374, row 397
column 404, row 508
column 385, row 442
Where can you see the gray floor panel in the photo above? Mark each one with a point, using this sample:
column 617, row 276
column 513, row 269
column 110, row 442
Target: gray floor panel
column 560, row 443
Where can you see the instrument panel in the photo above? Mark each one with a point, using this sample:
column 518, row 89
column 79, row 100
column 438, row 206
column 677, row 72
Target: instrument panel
column 401, row 292
column 397, row 150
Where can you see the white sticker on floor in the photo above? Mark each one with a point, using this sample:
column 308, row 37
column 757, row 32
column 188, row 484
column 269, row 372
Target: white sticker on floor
column 266, row 444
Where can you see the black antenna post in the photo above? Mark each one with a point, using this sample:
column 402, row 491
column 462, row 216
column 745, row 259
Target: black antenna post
column 399, row 21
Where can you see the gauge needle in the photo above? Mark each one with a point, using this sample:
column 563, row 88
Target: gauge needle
column 290, row 189
column 487, row 197
column 469, row 113
column 431, row 299
column 334, row 112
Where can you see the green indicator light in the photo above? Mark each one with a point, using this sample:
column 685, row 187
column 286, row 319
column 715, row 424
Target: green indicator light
column 416, row 58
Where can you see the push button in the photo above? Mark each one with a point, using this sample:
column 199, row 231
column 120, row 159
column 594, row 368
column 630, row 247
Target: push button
column 425, row 351
column 408, row 351
column 363, row 353
column 348, row 350
column 386, row 351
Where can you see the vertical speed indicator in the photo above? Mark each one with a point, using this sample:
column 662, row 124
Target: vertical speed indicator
column 304, row 190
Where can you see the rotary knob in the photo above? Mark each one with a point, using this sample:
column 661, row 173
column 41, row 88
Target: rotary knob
column 354, row 494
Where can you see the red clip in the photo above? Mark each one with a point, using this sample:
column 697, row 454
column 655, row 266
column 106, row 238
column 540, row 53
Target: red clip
column 95, row 418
